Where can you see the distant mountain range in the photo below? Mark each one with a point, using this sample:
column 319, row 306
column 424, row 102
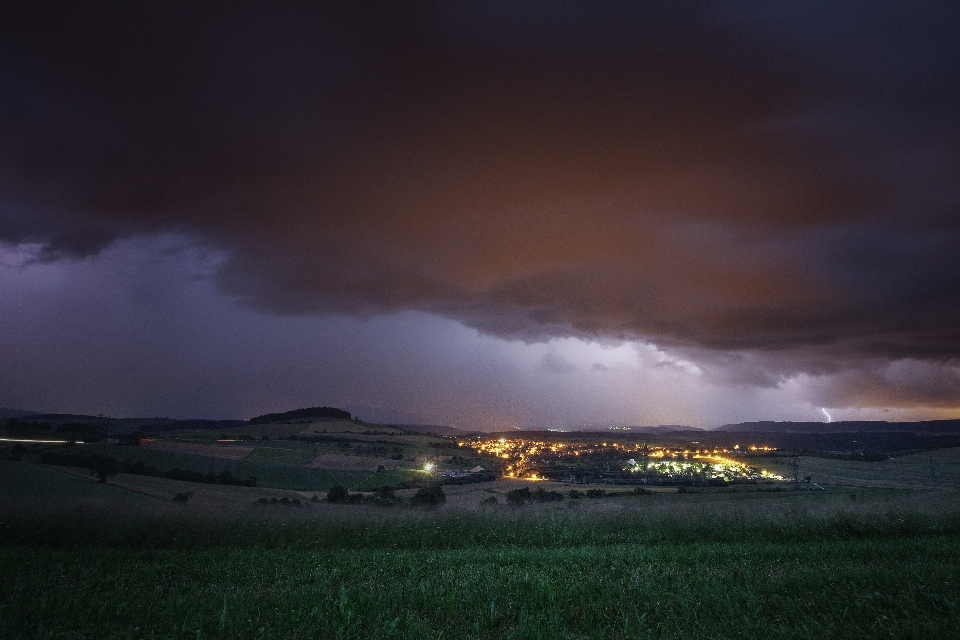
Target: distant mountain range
column 660, row 428
column 845, row 426
column 119, row 425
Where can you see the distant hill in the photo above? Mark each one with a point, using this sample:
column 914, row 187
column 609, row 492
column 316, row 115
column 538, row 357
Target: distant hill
column 128, row 425
column 6, row 414
column 302, row 414
column 57, row 419
column 660, row 428
column 845, row 426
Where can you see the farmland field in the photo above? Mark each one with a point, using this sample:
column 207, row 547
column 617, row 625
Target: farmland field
column 751, row 565
column 122, row 560
column 25, row 482
column 939, row 468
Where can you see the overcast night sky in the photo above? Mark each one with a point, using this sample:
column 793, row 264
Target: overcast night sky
column 488, row 214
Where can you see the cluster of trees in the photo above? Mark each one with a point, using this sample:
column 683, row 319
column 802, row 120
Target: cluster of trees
column 104, row 467
column 470, row 478
column 22, row 426
column 132, row 439
column 519, row 497
column 431, row 496
column 70, row 430
column 383, row 497
column 301, row 414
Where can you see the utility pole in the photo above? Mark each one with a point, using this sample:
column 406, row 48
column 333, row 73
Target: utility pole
column 795, row 469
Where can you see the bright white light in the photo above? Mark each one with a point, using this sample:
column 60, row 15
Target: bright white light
column 40, row 441
column 829, row 419
column 428, row 467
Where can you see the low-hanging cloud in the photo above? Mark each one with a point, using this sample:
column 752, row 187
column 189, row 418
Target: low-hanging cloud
column 703, row 178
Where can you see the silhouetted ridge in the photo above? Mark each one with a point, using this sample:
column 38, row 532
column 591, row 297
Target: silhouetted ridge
column 845, row 426
column 299, row 414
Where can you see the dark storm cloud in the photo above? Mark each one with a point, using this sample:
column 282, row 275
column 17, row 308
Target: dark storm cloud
column 771, row 178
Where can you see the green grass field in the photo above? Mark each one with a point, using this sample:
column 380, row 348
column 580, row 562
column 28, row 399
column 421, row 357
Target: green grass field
column 84, row 560
column 395, row 478
column 939, row 468
column 298, row 456
column 825, row 589
column 27, row 482
column 276, row 467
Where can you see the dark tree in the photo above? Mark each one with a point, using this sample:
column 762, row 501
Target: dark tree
column 132, row 439
column 337, row 494
column 105, row 468
column 432, row 496
column 519, row 497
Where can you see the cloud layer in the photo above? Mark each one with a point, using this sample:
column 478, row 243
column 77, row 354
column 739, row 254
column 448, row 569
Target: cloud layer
column 777, row 182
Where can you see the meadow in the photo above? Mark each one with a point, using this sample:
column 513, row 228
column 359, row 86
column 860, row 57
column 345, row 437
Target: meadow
column 85, row 559
column 869, row 556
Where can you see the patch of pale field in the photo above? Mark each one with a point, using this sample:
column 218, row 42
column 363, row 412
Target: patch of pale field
column 352, row 428
column 223, row 451
column 378, row 439
column 341, row 462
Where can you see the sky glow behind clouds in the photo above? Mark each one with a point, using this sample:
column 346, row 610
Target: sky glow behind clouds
column 482, row 214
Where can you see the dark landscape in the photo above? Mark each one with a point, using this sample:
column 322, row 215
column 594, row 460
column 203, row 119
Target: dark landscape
column 479, row 320
column 313, row 524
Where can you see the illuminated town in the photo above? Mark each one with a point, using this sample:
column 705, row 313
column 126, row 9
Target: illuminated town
column 619, row 462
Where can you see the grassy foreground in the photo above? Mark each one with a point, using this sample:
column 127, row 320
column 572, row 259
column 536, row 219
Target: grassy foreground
column 873, row 588
column 787, row 566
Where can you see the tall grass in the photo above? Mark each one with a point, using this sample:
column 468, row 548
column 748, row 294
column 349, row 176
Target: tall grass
column 840, row 589
column 663, row 566
column 647, row 520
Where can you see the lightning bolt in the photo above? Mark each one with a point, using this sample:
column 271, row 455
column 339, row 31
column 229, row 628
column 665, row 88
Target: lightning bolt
column 829, row 419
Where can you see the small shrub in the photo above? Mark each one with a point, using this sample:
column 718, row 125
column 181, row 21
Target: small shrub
column 596, row 493
column 575, row 494
column 183, row 497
